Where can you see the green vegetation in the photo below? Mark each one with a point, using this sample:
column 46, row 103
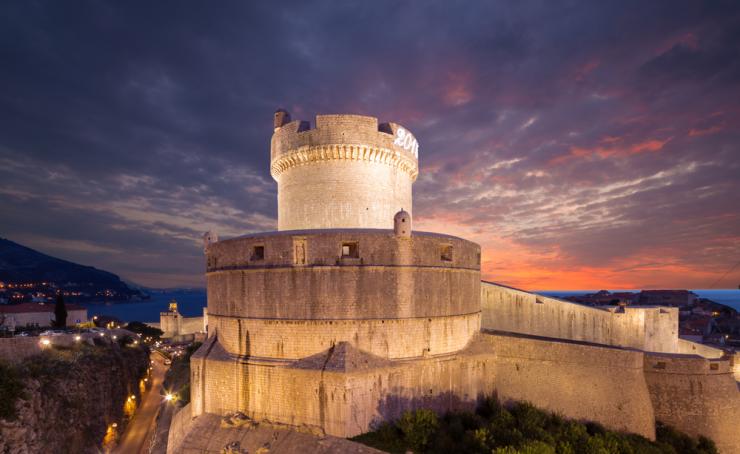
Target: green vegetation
column 520, row 429
column 144, row 330
column 11, row 388
column 60, row 312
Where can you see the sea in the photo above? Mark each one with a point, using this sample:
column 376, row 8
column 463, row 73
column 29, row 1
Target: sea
column 191, row 303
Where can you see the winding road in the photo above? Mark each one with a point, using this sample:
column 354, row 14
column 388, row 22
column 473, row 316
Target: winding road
column 136, row 438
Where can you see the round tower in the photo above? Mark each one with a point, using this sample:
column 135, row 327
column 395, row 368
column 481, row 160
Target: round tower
column 347, row 172
column 402, row 224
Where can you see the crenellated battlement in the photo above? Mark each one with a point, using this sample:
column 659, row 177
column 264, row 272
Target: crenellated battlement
column 349, row 171
column 352, row 137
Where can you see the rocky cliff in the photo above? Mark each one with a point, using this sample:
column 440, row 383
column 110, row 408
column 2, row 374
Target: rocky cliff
column 69, row 400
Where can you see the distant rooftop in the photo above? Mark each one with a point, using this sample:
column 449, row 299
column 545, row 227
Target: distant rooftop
column 25, row 308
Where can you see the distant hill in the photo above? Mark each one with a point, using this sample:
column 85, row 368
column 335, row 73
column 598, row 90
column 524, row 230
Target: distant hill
column 20, row 264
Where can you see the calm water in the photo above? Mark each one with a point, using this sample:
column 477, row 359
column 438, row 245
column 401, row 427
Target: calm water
column 190, row 304
column 727, row 297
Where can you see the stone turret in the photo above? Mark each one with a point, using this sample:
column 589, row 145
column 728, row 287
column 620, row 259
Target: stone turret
column 402, row 224
column 347, row 172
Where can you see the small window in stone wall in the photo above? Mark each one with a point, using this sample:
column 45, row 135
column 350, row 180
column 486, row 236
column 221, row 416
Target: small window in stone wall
column 258, row 253
column 299, row 251
column 350, row 250
column 446, row 253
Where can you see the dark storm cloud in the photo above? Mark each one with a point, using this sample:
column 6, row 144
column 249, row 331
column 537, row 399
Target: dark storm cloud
column 580, row 135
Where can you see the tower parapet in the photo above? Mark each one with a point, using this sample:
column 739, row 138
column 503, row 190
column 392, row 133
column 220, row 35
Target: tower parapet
column 348, row 172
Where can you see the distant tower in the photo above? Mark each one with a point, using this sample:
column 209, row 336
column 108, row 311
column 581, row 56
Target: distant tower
column 347, row 172
column 402, row 224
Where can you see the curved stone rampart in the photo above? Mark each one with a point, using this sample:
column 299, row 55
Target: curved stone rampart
column 385, row 338
column 343, row 274
column 697, row 396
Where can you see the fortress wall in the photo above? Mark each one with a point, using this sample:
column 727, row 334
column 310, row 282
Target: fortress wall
column 453, row 383
column 391, row 277
column 342, row 403
column 343, row 292
column 341, row 193
column 387, row 338
column 582, row 382
column 695, row 348
column 191, row 325
column 378, row 247
column 587, row 382
column 697, row 396
column 516, row 311
column 179, row 428
column 170, row 323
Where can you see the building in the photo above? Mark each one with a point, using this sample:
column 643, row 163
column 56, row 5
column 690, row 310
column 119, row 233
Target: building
column 678, row 298
column 345, row 316
column 38, row 314
column 176, row 327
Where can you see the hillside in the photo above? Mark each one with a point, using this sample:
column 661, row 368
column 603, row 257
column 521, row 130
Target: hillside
column 43, row 273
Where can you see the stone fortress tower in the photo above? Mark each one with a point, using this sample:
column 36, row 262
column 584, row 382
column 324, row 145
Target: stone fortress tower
column 347, row 172
column 346, row 316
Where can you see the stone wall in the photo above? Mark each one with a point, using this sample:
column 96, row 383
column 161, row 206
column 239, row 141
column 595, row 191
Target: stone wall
column 387, row 338
column 694, row 348
column 517, row 311
column 390, row 277
column 580, row 381
column 17, row 348
column 44, row 318
column 697, row 396
column 170, row 323
column 347, row 172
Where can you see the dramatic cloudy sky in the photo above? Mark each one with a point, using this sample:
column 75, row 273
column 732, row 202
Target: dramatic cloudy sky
column 583, row 144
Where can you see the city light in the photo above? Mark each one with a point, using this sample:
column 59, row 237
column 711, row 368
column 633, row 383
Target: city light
column 78, row 338
column 45, row 342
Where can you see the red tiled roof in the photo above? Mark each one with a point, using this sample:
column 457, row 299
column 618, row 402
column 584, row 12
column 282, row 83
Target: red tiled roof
column 34, row 307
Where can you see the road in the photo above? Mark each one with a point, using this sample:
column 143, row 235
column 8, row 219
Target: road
column 135, row 439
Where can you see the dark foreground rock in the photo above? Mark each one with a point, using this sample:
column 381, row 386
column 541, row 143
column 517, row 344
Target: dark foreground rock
column 70, row 400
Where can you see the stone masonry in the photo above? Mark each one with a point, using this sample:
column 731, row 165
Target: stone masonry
column 346, row 317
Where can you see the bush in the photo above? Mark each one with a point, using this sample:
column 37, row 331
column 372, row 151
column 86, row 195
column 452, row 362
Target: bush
column 418, row 427
column 520, row 429
column 144, row 330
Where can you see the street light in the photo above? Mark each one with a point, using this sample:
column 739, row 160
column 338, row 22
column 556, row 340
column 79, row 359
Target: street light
column 168, row 397
column 78, row 338
column 45, row 341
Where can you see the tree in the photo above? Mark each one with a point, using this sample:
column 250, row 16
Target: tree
column 60, row 312
column 145, row 330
